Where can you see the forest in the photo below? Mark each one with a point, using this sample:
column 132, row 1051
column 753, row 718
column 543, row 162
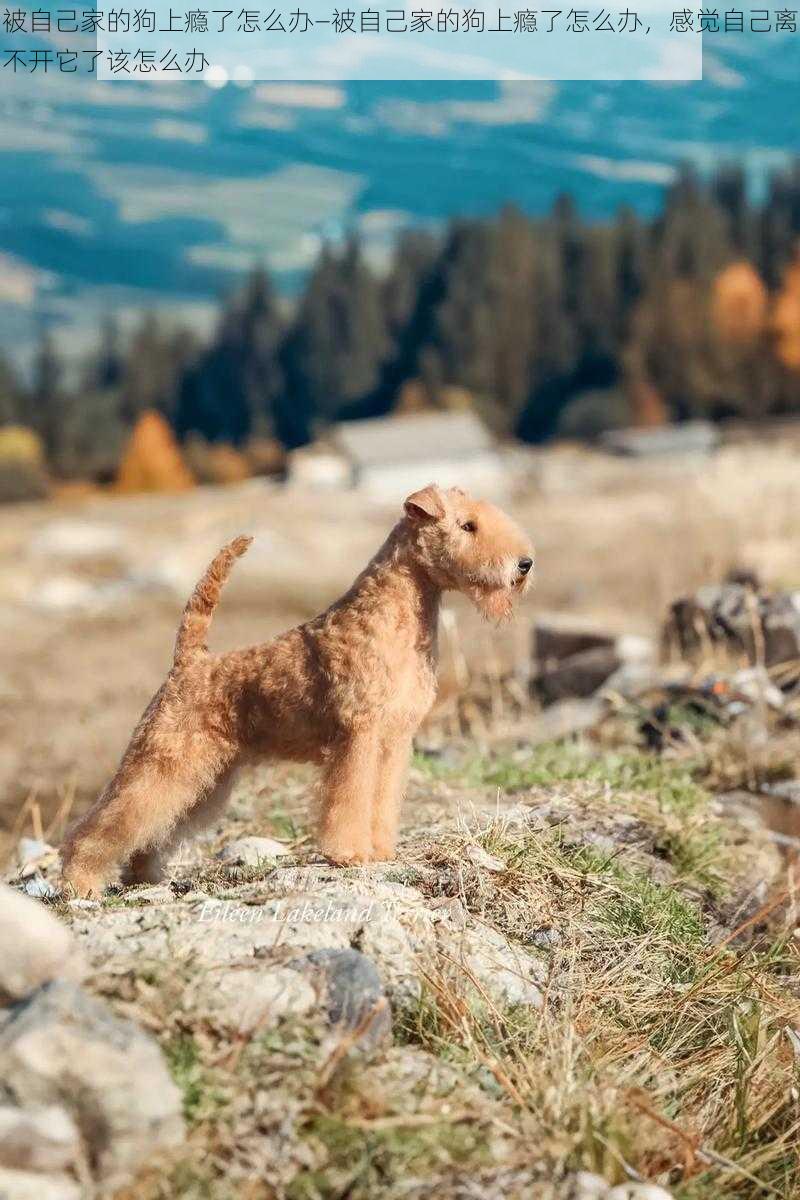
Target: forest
column 554, row 326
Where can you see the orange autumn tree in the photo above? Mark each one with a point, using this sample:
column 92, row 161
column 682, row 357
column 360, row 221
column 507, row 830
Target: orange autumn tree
column 152, row 460
column 786, row 318
column 648, row 410
column 739, row 303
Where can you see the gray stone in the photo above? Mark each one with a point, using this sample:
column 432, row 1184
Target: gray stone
column 34, row 946
column 638, row 1191
column 63, row 1046
column 353, row 994
column 755, row 686
column 30, row 852
column 246, row 998
column 556, row 637
column 252, row 851
column 154, row 893
column 39, row 888
column 785, row 789
column 503, row 973
column 38, row 1139
column 764, row 627
column 481, row 858
column 563, row 719
column 580, row 675
column 586, row 1186
column 574, row 658
column 29, row 1185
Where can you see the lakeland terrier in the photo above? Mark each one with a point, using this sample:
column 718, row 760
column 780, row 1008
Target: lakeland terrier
column 346, row 690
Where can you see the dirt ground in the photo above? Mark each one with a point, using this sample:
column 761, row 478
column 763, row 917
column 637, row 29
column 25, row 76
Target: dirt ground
column 91, row 589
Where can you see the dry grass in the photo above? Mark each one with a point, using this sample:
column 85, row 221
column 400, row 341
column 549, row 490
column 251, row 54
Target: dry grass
column 663, row 1049
column 615, row 540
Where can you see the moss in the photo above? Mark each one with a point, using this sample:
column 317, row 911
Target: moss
column 363, row 1162
column 202, row 1096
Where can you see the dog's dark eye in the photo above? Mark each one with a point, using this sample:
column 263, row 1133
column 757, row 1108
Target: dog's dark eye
column 469, row 527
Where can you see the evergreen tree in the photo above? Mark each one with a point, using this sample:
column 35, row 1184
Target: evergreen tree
column 12, row 407
column 231, row 392
column 338, row 344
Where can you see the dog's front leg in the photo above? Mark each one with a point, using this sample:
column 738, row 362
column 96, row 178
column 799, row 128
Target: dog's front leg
column 395, row 752
column 347, row 793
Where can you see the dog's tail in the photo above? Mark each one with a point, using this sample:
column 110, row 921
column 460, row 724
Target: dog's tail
column 191, row 639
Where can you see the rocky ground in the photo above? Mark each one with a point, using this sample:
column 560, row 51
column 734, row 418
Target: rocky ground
column 580, row 979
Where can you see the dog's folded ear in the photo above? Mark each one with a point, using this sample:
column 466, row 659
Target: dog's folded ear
column 425, row 505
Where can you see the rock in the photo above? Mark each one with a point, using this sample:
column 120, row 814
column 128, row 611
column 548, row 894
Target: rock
column 764, row 627
column 39, row 888
column 586, row 1186
column 787, row 790
column 546, row 938
column 248, row 998
column 632, row 680
column 579, row 675
column 64, row 1046
column 252, row 851
column 481, row 858
column 638, row 1191
column 556, row 637
column 392, row 923
column 563, row 719
column 503, row 973
column 574, row 658
column 155, row 893
column 34, row 946
column 353, row 993
column 27, row 1185
column 754, row 685
column 30, row 852
column 38, row 1139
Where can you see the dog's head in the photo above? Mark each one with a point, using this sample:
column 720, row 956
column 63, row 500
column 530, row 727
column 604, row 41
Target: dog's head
column 470, row 546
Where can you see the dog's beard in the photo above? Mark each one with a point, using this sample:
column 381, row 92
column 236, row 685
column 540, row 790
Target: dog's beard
column 495, row 604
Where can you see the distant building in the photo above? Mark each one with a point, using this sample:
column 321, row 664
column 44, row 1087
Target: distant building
column 391, row 456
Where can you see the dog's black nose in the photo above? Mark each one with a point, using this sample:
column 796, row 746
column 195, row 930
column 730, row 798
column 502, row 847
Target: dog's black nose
column 525, row 565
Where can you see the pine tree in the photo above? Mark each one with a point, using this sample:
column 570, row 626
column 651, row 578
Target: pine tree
column 338, row 343
column 46, row 395
column 231, row 391
column 12, row 406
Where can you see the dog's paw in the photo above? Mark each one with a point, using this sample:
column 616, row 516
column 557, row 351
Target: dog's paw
column 81, row 885
column 347, row 855
column 383, row 852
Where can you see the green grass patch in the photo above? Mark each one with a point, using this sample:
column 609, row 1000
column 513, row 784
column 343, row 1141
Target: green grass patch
column 202, row 1097
column 363, row 1162
column 571, row 762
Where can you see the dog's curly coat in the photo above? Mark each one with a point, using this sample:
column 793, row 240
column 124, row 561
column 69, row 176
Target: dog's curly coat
column 346, row 690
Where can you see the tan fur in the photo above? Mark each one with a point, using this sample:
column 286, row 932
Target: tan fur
column 346, row 690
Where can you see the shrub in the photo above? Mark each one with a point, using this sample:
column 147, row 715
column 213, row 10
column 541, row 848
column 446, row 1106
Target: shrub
column 152, row 461
column 591, row 413
column 216, row 462
column 22, row 472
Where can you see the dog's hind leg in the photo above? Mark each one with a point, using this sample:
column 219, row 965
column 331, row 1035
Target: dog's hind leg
column 137, row 814
column 198, row 817
column 347, row 789
column 145, row 866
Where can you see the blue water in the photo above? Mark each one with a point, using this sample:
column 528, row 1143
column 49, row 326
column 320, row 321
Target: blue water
column 134, row 194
